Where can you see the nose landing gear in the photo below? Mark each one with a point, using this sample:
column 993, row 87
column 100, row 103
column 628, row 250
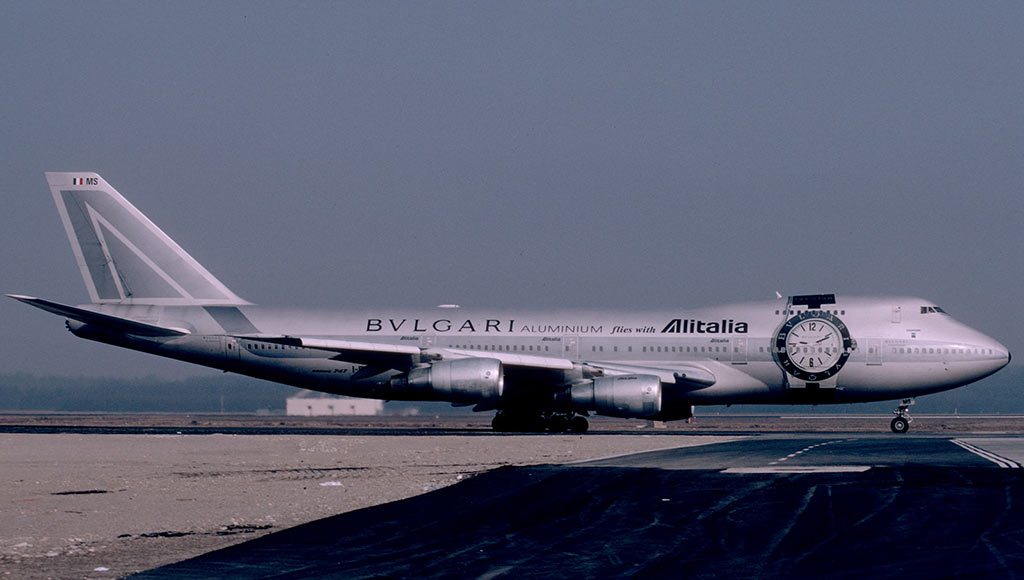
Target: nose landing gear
column 901, row 424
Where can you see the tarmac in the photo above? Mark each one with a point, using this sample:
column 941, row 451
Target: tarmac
column 838, row 508
column 110, row 496
column 94, row 496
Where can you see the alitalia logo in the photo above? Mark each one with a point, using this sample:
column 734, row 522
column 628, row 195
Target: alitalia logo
column 85, row 181
column 691, row 326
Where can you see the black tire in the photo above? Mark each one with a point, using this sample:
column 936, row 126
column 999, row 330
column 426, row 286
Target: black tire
column 558, row 424
column 900, row 425
column 500, row 423
column 509, row 423
column 579, row 424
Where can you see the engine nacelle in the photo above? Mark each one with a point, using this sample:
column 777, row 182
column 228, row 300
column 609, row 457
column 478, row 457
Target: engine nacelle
column 626, row 396
column 468, row 380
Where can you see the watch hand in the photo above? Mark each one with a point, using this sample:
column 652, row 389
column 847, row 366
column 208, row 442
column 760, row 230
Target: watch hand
column 824, row 338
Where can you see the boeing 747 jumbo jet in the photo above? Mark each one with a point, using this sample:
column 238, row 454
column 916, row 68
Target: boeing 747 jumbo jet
column 538, row 370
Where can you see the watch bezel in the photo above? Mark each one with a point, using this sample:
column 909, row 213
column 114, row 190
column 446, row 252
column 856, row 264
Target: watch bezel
column 782, row 353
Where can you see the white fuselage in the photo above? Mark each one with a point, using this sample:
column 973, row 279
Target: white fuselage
column 900, row 347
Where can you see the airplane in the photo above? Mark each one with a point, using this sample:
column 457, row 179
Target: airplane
column 540, row 371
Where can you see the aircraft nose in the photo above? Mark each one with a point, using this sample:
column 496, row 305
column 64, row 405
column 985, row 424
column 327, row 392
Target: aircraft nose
column 990, row 354
column 1002, row 355
column 1001, row 349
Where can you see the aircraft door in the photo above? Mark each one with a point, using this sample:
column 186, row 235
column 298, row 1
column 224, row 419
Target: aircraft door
column 232, row 348
column 874, row 354
column 739, row 350
column 570, row 347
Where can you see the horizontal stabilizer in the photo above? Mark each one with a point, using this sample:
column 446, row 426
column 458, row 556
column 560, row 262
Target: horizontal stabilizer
column 103, row 320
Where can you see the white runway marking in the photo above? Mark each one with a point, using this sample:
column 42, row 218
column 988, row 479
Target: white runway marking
column 994, row 458
column 804, row 450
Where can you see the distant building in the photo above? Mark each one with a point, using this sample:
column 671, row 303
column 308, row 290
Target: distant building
column 311, row 404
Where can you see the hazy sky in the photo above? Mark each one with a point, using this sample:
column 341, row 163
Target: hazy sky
column 621, row 155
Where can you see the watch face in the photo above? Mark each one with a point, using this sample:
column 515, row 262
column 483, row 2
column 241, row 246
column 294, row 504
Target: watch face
column 813, row 345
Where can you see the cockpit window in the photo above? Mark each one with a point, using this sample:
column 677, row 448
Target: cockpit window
column 931, row 309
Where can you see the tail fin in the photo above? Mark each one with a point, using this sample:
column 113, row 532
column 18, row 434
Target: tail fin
column 124, row 257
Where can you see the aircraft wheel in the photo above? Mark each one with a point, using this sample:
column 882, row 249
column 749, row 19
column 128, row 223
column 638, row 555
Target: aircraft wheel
column 899, row 425
column 501, row 423
column 516, row 423
column 558, row 424
column 579, row 424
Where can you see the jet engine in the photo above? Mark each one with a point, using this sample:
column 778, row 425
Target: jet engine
column 468, row 380
column 626, row 396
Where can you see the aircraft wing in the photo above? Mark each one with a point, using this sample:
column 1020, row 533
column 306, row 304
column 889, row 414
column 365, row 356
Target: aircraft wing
column 104, row 320
column 688, row 377
column 374, row 354
column 513, row 360
column 404, row 357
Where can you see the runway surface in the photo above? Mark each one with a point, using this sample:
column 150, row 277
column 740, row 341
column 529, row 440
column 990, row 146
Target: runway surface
column 801, row 506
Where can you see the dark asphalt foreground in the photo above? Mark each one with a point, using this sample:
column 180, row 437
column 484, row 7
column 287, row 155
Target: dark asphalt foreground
column 925, row 509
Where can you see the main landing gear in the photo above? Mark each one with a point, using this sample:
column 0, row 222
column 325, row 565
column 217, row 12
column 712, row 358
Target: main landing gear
column 901, row 424
column 551, row 422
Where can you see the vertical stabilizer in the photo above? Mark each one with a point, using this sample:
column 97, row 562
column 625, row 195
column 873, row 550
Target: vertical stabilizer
column 124, row 257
